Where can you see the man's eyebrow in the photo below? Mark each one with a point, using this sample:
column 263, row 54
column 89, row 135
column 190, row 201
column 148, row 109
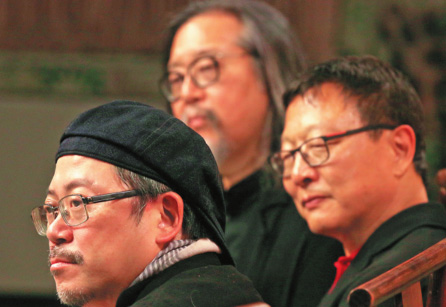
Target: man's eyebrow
column 286, row 139
column 307, row 131
column 195, row 55
column 70, row 186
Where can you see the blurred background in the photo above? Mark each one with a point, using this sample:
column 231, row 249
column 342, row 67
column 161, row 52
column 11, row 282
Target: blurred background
column 58, row 58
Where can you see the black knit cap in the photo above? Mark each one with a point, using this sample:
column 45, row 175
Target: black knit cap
column 152, row 143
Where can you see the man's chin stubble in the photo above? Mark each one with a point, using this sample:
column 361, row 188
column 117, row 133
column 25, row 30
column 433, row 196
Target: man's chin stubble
column 74, row 297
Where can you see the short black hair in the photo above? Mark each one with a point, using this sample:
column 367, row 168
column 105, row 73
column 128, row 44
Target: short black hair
column 150, row 190
column 382, row 93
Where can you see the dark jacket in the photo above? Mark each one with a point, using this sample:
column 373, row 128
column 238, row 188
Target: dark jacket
column 398, row 239
column 199, row 281
column 273, row 246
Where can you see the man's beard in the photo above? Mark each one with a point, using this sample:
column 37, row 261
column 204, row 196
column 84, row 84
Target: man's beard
column 219, row 148
column 76, row 296
column 219, row 145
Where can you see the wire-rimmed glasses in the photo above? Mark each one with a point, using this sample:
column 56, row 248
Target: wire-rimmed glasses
column 72, row 208
column 314, row 151
column 203, row 71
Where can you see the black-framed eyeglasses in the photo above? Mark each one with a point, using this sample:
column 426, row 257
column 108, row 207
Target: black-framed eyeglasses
column 314, row 151
column 203, row 71
column 73, row 209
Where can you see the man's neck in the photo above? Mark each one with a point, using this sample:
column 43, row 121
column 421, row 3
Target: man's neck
column 102, row 303
column 235, row 170
column 405, row 196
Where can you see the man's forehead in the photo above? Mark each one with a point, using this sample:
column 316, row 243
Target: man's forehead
column 70, row 185
column 210, row 25
column 327, row 96
column 319, row 111
column 74, row 171
column 75, row 161
column 210, row 31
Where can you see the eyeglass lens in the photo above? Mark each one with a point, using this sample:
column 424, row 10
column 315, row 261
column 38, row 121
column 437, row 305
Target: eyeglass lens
column 313, row 151
column 203, row 72
column 70, row 207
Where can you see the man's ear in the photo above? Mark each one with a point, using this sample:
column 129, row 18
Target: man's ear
column 171, row 222
column 403, row 147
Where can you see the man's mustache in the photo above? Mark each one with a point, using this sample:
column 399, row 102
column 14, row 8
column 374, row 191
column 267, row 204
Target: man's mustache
column 192, row 110
column 67, row 255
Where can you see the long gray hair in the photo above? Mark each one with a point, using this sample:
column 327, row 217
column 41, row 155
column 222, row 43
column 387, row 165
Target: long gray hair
column 267, row 36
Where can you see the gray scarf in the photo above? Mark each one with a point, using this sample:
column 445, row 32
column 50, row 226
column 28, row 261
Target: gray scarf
column 176, row 251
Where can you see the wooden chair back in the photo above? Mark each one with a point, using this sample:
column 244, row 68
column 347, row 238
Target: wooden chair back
column 403, row 282
column 441, row 181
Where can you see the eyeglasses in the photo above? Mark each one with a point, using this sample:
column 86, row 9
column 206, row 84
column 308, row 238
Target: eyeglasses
column 203, row 71
column 73, row 209
column 314, row 151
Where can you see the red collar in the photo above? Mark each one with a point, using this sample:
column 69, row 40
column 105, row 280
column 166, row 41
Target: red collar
column 341, row 265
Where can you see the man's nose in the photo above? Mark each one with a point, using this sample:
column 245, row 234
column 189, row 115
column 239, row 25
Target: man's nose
column 302, row 173
column 58, row 231
column 190, row 91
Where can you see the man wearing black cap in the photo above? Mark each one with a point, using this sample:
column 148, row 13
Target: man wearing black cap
column 134, row 214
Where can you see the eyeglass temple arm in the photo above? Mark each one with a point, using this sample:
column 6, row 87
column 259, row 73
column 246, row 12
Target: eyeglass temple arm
column 354, row 131
column 111, row 196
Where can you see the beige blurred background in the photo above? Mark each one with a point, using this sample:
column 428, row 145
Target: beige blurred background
column 58, row 58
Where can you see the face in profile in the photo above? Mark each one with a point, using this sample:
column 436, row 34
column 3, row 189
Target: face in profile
column 342, row 195
column 230, row 114
column 97, row 260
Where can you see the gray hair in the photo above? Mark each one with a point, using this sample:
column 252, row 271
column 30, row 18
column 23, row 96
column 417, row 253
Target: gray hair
column 267, row 36
column 150, row 190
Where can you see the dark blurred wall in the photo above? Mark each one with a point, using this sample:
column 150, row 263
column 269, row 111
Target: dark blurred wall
column 137, row 25
column 411, row 35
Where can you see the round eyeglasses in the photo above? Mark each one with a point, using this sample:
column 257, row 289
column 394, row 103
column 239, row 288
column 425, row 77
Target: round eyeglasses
column 314, row 151
column 203, row 71
column 73, row 209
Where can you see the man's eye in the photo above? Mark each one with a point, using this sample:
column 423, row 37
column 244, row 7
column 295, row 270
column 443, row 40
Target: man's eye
column 50, row 210
column 206, row 68
column 175, row 78
column 315, row 146
column 75, row 203
column 287, row 155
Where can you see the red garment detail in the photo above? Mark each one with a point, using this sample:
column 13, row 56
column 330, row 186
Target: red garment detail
column 341, row 266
